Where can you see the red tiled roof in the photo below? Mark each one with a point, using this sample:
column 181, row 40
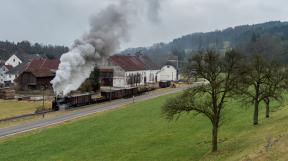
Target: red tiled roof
column 43, row 67
column 132, row 63
column 44, row 64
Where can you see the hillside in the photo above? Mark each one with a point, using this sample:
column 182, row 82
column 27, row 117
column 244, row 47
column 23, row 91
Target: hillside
column 268, row 38
column 139, row 132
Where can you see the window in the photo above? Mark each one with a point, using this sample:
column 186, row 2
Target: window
column 168, row 66
column 13, row 60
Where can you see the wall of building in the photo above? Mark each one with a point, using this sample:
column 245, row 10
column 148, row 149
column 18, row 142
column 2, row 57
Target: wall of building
column 151, row 76
column 138, row 78
column 3, row 70
column 13, row 61
column 10, row 78
column 167, row 73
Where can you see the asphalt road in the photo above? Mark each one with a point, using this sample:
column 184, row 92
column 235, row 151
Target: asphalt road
column 81, row 112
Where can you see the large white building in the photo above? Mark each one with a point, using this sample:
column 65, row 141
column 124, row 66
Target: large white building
column 168, row 73
column 131, row 71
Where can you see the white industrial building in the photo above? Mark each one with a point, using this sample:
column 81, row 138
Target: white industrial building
column 168, row 73
column 131, row 71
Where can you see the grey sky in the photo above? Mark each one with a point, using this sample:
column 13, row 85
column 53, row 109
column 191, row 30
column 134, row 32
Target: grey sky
column 62, row 21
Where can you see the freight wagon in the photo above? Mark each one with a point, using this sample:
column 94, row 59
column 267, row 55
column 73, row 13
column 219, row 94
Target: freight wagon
column 71, row 101
column 88, row 98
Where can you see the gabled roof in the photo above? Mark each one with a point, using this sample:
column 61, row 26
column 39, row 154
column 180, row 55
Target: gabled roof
column 43, row 67
column 128, row 63
column 9, row 67
column 43, row 64
column 18, row 69
column 133, row 63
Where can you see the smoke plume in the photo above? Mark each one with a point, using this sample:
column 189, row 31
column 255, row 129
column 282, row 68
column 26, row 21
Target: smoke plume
column 108, row 29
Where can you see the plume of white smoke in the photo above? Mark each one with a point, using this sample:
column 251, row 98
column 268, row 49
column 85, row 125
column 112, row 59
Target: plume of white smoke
column 108, row 28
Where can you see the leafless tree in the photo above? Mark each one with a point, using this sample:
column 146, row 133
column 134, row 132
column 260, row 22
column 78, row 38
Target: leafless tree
column 275, row 84
column 208, row 99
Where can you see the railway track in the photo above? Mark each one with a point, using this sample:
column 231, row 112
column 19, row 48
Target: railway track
column 82, row 112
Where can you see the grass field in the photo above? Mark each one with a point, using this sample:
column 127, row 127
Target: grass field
column 10, row 108
column 139, row 132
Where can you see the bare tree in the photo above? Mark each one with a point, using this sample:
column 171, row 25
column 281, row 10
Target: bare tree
column 260, row 82
column 275, row 84
column 207, row 99
column 254, row 78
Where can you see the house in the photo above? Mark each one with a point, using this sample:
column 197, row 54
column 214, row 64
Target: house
column 13, row 73
column 131, row 71
column 13, row 61
column 37, row 74
column 168, row 73
column 16, row 64
column 3, row 70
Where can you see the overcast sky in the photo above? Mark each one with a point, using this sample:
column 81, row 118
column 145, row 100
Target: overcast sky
column 62, row 21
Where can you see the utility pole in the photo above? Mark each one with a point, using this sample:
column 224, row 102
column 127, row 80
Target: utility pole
column 43, row 101
column 110, row 93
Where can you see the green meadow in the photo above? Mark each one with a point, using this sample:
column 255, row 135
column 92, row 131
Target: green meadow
column 139, row 132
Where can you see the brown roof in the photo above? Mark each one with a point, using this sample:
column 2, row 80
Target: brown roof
column 9, row 67
column 43, row 64
column 43, row 67
column 132, row 63
column 106, row 70
column 42, row 72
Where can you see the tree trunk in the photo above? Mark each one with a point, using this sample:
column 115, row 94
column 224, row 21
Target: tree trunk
column 267, row 102
column 256, row 111
column 256, row 104
column 215, row 138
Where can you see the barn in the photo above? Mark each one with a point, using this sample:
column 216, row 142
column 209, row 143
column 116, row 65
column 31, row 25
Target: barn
column 37, row 74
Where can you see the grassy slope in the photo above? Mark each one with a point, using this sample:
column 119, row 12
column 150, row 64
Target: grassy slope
column 140, row 133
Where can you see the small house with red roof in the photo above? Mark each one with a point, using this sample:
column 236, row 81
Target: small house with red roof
column 37, row 74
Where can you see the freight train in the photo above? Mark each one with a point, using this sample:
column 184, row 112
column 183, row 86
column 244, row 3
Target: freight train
column 107, row 94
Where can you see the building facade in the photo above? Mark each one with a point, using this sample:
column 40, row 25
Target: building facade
column 132, row 71
column 168, row 73
column 13, row 61
column 37, row 74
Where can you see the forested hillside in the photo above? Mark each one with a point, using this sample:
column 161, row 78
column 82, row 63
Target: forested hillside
column 25, row 47
column 268, row 38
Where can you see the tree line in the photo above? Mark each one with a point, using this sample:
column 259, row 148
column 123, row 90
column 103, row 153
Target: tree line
column 8, row 48
column 253, row 79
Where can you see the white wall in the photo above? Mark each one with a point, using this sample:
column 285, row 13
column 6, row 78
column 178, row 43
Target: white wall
column 151, row 76
column 121, row 81
column 3, row 71
column 10, row 77
column 167, row 73
column 13, row 61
